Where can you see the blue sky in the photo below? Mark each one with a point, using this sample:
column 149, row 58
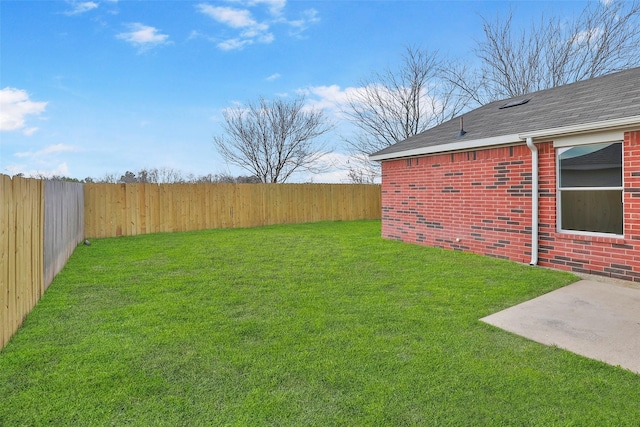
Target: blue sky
column 100, row 87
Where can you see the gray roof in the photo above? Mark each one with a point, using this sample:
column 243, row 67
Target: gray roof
column 607, row 98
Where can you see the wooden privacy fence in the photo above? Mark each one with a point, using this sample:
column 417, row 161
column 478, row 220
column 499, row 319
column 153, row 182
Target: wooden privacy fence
column 63, row 224
column 41, row 222
column 40, row 225
column 130, row 209
column 21, row 245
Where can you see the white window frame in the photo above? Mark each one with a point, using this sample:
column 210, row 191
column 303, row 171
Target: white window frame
column 561, row 147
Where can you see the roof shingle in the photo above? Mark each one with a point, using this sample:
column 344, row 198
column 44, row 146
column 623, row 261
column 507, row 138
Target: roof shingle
column 610, row 97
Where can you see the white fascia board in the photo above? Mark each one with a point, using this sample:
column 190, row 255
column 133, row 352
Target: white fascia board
column 588, row 138
column 622, row 123
column 453, row 146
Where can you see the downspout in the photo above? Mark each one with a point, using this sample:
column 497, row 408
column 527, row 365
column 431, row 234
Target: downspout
column 534, row 201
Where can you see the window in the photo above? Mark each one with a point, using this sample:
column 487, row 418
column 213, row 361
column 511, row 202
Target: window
column 590, row 188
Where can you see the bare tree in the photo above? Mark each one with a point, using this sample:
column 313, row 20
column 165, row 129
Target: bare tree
column 163, row 175
column 273, row 139
column 128, row 178
column 360, row 175
column 396, row 104
column 224, row 178
column 167, row 175
column 603, row 39
column 45, row 177
column 108, row 178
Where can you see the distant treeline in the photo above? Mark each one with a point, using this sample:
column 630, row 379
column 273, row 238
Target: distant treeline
column 157, row 176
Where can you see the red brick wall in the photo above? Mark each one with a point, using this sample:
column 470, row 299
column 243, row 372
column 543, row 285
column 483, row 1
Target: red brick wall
column 480, row 201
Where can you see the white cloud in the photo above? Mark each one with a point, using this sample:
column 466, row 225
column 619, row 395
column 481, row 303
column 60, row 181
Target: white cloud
column 242, row 19
column 78, row 8
column 234, row 44
column 588, row 37
column 43, row 163
column 14, row 169
column 335, row 100
column 309, row 16
column 335, row 169
column 30, row 131
column 273, row 77
column 331, row 98
column 47, row 151
column 265, row 38
column 194, row 34
column 61, row 169
column 143, row 36
column 327, row 95
column 249, row 29
column 275, row 6
column 257, row 31
column 15, row 105
column 235, row 18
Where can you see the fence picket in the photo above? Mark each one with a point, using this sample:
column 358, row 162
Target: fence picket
column 41, row 222
column 144, row 208
column 39, row 229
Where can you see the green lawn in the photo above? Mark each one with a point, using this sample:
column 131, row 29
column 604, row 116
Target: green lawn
column 314, row 324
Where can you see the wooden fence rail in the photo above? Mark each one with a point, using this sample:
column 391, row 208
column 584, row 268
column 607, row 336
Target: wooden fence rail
column 41, row 222
column 129, row 209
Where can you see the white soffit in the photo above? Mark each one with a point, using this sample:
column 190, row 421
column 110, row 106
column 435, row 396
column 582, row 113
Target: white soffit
column 590, row 138
column 602, row 131
column 625, row 123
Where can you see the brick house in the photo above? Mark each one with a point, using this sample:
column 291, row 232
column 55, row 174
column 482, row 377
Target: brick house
column 550, row 178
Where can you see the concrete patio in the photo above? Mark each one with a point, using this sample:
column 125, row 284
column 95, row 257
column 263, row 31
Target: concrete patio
column 598, row 320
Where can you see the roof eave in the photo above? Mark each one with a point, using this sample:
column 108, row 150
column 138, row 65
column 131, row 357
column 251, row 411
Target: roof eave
column 612, row 124
column 454, row 146
column 620, row 123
